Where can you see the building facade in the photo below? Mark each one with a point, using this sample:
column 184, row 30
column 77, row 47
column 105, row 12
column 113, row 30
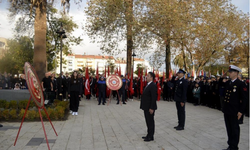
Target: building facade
column 77, row 61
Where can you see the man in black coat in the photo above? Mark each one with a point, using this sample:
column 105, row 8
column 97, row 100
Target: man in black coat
column 180, row 97
column 234, row 105
column 148, row 104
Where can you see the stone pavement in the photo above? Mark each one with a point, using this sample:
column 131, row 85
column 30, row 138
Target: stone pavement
column 116, row 127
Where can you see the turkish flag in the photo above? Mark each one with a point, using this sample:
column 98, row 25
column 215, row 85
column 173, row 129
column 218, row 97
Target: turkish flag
column 87, row 86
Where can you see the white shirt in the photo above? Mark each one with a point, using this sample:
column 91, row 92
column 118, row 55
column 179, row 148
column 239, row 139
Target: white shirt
column 233, row 80
column 180, row 78
column 149, row 83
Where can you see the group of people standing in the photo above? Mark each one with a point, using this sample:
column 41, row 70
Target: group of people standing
column 7, row 81
column 233, row 100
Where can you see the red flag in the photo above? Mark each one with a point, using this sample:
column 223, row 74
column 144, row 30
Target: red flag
column 139, row 73
column 202, row 73
column 141, row 86
column 158, row 91
column 192, row 73
column 87, row 86
column 105, row 72
column 119, row 70
column 153, row 70
column 131, row 90
column 108, row 70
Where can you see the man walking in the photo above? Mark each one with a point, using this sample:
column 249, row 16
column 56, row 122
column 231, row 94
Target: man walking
column 180, row 97
column 148, row 104
column 234, row 104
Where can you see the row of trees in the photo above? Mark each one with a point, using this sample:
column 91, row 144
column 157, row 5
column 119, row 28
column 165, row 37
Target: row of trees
column 196, row 32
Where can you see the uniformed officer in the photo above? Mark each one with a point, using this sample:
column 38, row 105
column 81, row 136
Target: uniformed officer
column 234, row 104
column 180, row 98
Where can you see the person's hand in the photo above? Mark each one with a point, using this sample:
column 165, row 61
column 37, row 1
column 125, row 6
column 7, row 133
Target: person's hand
column 224, row 75
column 43, row 89
column 182, row 104
column 151, row 111
column 69, row 95
column 79, row 95
column 52, row 89
column 239, row 115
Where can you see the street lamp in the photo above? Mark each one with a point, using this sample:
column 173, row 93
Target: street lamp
column 133, row 55
column 61, row 35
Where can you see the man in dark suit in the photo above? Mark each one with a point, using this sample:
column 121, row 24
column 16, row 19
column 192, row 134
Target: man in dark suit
column 148, row 104
column 234, row 105
column 180, row 97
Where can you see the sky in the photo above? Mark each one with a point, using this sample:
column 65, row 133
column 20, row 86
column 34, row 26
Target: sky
column 77, row 11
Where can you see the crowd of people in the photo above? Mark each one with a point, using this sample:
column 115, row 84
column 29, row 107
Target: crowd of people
column 7, row 81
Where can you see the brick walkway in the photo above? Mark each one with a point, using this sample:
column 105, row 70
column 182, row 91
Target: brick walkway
column 116, row 127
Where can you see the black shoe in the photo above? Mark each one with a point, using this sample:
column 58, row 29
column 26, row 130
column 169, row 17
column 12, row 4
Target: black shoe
column 179, row 128
column 176, row 127
column 99, row 104
column 1, row 125
column 227, row 149
column 144, row 137
column 117, row 103
column 124, row 103
column 103, row 104
column 148, row 139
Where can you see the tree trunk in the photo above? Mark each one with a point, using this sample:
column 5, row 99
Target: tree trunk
column 129, row 22
column 39, row 58
column 168, row 57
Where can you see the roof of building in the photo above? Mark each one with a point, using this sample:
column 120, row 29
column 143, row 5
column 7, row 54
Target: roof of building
column 92, row 56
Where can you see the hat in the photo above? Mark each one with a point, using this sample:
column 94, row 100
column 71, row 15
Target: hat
column 181, row 71
column 234, row 68
column 121, row 75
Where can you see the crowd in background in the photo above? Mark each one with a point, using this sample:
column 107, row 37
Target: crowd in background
column 7, row 81
column 201, row 91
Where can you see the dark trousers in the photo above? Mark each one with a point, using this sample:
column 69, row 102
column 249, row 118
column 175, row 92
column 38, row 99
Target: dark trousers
column 181, row 114
column 74, row 100
column 150, row 122
column 122, row 96
column 233, row 131
column 102, row 97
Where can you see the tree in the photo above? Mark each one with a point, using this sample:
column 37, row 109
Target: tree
column 109, row 22
column 20, row 51
column 24, row 24
column 141, row 67
column 39, row 8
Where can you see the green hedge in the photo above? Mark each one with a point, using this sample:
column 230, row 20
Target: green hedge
column 14, row 111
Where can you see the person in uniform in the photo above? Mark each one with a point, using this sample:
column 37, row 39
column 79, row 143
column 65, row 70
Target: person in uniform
column 180, row 97
column 102, row 90
column 148, row 104
column 234, row 104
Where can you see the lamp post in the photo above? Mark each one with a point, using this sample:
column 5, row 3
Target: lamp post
column 61, row 35
column 133, row 61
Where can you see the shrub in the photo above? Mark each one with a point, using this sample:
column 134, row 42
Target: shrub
column 22, row 104
column 5, row 114
column 7, row 105
column 21, row 113
column 13, row 104
column 59, row 111
column 1, row 115
column 13, row 114
column 31, row 115
column 2, row 103
column 32, row 104
column 51, row 113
